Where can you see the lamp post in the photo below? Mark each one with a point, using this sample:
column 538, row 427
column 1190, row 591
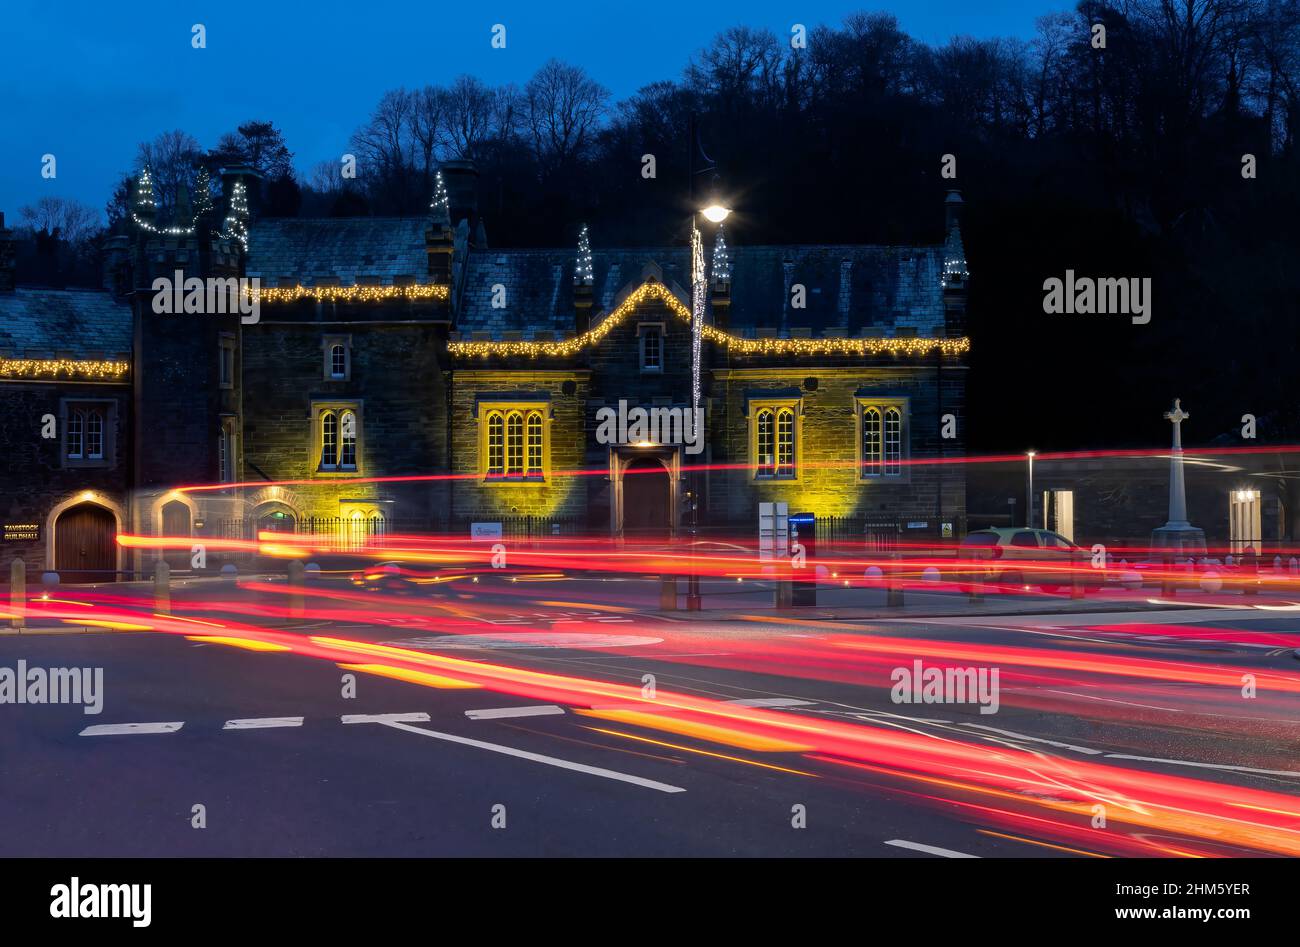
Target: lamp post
column 714, row 213
column 1029, row 495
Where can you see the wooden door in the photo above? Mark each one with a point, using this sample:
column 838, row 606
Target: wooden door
column 85, row 547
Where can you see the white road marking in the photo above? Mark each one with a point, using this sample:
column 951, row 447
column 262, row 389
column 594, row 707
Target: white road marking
column 928, row 849
column 770, row 702
column 262, row 723
column 111, row 729
column 385, row 718
column 1021, row 736
column 1236, row 769
column 536, row 757
column 500, row 713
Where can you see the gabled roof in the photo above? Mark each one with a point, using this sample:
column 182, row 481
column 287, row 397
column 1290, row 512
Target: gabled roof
column 847, row 288
column 41, row 323
column 343, row 248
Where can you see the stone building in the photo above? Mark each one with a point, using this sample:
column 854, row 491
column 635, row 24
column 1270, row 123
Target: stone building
column 65, row 426
column 403, row 375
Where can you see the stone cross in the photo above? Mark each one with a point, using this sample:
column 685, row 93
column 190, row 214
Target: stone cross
column 1177, row 489
column 1177, row 416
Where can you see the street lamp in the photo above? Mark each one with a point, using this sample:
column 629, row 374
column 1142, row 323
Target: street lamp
column 715, row 213
column 1029, row 497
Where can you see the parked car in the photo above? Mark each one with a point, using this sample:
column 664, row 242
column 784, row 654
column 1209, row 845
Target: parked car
column 1021, row 557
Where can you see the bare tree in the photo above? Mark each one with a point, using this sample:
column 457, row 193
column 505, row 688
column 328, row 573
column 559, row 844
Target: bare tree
column 172, row 159
column 62, row 218
column 428, row 131
column 562, row 107
column 469, row 117
column 384, row 146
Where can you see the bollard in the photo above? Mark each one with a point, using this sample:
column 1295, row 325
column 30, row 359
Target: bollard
column 894, row 586
column 17, row 591
column 668, row 594
column 784, row 593
column 1167, row 588
column 296, row 574
column 162, row 588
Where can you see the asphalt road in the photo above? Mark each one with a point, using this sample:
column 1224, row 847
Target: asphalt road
column 1138, row 694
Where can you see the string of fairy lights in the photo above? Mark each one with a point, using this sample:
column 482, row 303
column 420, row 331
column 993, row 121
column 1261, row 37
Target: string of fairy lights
column 359, row 293
column 658, row 292
column 235, row 226
column 63, row 368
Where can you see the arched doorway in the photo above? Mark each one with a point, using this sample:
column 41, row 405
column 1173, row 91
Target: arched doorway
column 275, row 519
column 647, row 499
column 176, row 522
column 85, row 547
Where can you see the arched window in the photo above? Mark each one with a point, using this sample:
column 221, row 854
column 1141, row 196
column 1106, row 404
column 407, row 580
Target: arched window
column 496, row 444
column 785, row 442
column 514, row 444
column 533, row 434
column 329, row 440
column 766, row 442
column 893, row 441
column 871, row 441
column 348, row 440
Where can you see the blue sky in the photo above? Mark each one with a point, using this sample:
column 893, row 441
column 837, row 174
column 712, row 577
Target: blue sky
column 87, row 81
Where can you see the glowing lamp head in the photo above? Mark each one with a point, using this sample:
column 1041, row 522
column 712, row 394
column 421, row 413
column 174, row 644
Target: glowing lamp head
column 88, row 495
column 715, row 213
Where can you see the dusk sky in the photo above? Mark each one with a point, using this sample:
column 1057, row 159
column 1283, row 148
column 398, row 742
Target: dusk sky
column 89, row 84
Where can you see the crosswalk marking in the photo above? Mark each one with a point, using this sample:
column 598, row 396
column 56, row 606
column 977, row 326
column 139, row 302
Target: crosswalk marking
column 928, row 849
column 262, row 723
column 385, row 718
column 112, row 729
column 501, row 713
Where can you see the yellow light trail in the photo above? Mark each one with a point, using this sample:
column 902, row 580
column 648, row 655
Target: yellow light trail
column 691, row 749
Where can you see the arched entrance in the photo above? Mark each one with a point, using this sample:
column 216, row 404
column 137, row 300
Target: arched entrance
column 275, row 518
column 647, row 499
column 176, row 522
column 85, row 547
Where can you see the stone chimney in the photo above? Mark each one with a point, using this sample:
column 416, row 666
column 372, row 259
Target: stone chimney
column 6, row 257
column 583, row 284
column 955, row 273
column 461, row 178
column 117, row 264
column 720, row 282
column 439, row 237
column 251, row 178
column 952, row 210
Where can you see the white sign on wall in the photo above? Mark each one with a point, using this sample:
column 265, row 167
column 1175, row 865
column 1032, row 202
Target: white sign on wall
column 484, row 532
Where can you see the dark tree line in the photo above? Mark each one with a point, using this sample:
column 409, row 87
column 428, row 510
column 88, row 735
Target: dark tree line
column 1122, row 160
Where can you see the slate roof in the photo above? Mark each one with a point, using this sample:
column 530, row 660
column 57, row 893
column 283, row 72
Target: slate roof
column 849, row 289
column 86, row 323
column 307, row 249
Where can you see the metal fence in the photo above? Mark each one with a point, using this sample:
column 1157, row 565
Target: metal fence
column 873, row 534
